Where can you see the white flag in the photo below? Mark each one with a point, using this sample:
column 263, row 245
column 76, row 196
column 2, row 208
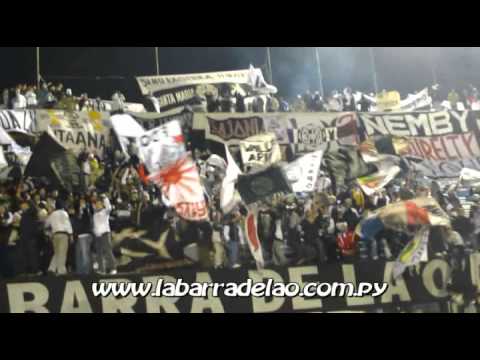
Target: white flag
column 126, row 128
column 229, row 197
column 3, row 161
column 303, row 173
column 161, row 147
column 258, row 83
column 23, row 153
column 469, row 177
column 5, row 139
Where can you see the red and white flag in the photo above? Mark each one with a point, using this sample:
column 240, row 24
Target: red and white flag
column 251, row 233
column 180, row 184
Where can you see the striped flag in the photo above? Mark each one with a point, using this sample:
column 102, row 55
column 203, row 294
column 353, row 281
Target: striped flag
column 251, row 232
column 413, row 253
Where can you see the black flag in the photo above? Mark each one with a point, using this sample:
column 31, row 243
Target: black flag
column 52, row 161
column 346, row 164
column 262, row 184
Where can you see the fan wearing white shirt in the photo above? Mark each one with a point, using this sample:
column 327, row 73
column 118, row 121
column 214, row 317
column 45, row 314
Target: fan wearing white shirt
column 19, row 102
column 62, row 233
column 103, row 236
column 31, row 98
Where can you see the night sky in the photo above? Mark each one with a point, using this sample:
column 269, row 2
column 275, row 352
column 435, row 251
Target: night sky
column 294, row 69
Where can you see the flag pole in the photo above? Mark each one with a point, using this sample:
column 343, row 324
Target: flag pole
column 374, row 69
column 37, row 71
column 432, row 65
column 156, row 61
column 319, row 70
column 269, row 64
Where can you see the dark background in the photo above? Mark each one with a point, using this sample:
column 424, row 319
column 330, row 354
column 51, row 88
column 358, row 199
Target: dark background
column 406, row 69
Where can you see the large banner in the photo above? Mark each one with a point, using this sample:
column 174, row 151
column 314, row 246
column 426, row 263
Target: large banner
column 178, row 90
column 441, row 143
column 77, row 131
column 151, row 121
column 230, row 129
column 153, row 84
column 391, row 101
column 420, row 123
column 453, row 147
column 444, row 169
column 24, row 122
column 306, row 131
column 75, row 295
column 106, row 105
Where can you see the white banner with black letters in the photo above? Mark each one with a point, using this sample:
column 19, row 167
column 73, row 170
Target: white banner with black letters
column 21, row 121
column 77, row 131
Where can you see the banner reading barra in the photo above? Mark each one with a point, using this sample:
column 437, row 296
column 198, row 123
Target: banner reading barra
column 71, row 294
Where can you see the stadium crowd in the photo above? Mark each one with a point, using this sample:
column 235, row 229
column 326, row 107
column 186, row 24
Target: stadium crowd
column 56, row 96
column 44, row 230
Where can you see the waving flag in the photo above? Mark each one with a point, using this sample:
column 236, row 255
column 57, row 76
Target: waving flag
column 228, row 195
column 345, row 164
column 372, row 183
column 413, row 253
column 52, row 161
column 262, row 184
column 401, row 215
column 127, row 129
column 181, row 185
column 162, row 146
column 303, row 173
column 251, row 232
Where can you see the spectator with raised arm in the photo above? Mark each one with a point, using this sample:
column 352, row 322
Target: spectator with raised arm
column 103, row 236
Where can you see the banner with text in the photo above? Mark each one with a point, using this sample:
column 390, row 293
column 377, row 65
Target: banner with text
column 77, row 131
column 260, row 150
column 179, row 90
column 75, row 294
column 306, row 131
column 24, row 122
column 151, row 121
